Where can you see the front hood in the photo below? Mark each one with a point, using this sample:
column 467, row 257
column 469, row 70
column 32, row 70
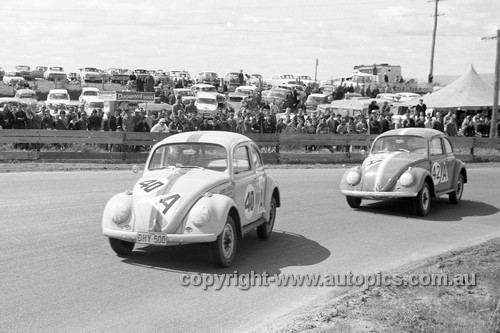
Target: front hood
column 162, row 198
column 381, row 171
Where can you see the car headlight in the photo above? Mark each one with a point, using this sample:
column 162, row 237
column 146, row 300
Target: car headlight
column 406, row 179
column 199, row 215
column 120, row 212
column 353, row 177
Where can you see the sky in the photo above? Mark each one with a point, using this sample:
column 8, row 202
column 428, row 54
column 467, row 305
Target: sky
column 265, row 37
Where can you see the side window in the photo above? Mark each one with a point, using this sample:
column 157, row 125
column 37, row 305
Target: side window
column 436, row 147
column 256, row 159
column 241, row 161
column 447, row 146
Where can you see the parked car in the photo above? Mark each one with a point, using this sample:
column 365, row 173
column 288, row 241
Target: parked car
column 185, row 94
column 160, row 75
column 37, row 72
column 415, row 163
column 26, row 96
column 291, row 86
column 232, row 80
column 117, row 75
column 389, row 97
column 207, row 78
column 141, row 74
column 208, row 103
column 278, row 79
column 250, row 91
column 89, row 94
column 57, row 98
column 89, row 74
column 205, row 188
column 313, row 100
column 234, row 100
column 25, row 71
column 255, row 80
column 12, row 78
column 202, row 87
column 304, row 79
column 55, row 73
column 407, row 96
column 279, row 96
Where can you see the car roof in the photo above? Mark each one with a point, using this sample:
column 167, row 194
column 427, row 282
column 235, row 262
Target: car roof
column 58, row 91
column 418, row 131
column 202, row 85
column 318, row 95
column 226, row 139
column 247, row 87
column 24, row 91
column 90, row 89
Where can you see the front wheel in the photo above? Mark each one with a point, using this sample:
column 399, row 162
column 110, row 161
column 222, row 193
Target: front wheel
column 224, row 248
column 121, row 247
column 423, row 200
column 457, row 195
column 353, row 202
column 265, row 230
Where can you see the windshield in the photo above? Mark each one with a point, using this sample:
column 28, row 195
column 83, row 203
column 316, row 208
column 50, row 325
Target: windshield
column 204, row 155
column 207, row 101
column 56, row 69
column 90, row 93
column 23, row 68
column 90, row 69
column 59, row 96
column 317, row 99
column 208, row 89
column 245, row 91
column 185, row 93
column 210, row 74
column 276, row 94
column 405, row 143
column 29, row 95
column 235, row 98
column 141, row 71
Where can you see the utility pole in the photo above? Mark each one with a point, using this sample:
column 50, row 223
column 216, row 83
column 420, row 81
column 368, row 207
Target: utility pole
column 431, row 76
column 496, row 87
column 316, row 71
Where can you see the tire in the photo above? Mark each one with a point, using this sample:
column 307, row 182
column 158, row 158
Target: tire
column 224, row 248
column 456, row 196
column 423, row 200
column 121, row 247
column 353, row 202
column 265, row 230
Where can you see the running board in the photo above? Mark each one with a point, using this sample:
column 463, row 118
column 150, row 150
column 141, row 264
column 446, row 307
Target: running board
column 249, row 227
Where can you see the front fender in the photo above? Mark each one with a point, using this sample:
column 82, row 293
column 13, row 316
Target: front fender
column 420, row 175
column 271, row 188
column 219, row 206
column 116, row 205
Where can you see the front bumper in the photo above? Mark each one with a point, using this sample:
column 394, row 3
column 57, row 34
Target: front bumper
column 378, row 195
column 172, row 239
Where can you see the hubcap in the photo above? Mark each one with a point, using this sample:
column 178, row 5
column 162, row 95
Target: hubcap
column 227, row 241
column 425, row 198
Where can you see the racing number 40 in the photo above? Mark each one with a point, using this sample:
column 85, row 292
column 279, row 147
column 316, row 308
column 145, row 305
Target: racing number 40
column 149, row 185
column 250, row 201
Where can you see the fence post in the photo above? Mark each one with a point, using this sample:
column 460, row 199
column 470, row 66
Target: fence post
column 278, row 147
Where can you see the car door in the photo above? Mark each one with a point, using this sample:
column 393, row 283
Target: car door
column 450, row 162
column 260, row 179
column 437, row 160
column 245, row 184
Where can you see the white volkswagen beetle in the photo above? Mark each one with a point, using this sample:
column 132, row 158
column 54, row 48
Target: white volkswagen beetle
column 197, row 187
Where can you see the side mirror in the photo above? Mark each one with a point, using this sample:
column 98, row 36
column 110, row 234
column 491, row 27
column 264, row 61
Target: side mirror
column 135, row 169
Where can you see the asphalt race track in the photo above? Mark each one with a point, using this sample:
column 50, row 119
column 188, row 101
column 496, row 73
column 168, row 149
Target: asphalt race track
column 58, row 273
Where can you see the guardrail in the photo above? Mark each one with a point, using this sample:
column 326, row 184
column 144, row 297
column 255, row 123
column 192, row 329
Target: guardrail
column 276, row 148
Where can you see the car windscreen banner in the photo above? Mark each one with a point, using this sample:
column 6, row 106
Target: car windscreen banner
column 135, row 96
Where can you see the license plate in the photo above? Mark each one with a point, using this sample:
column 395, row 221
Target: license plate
column 151, row 238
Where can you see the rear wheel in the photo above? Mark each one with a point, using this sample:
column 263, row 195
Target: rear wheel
column 265, row 230
column 353, row 202
column 121, row 247
column 457, row 195
column 423, row 200
column 224, row 248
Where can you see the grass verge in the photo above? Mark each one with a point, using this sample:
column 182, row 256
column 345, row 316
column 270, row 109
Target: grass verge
column 414, row 309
